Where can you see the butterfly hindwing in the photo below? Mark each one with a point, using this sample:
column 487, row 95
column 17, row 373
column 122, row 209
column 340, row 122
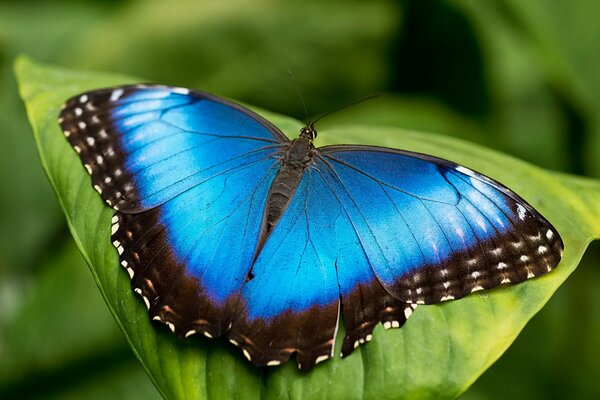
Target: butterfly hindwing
column 189, row 174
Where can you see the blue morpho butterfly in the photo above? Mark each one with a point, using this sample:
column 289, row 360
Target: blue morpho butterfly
column 228, row 228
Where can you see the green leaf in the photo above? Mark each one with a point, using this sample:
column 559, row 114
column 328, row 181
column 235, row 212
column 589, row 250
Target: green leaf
column 438, row 354
column 36, row 313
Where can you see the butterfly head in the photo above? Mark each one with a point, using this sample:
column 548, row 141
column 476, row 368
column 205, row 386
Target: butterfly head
column 309, row 132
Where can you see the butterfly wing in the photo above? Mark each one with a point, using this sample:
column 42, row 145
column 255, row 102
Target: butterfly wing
column 189, row 174
column 433, row 230
column 375, row 231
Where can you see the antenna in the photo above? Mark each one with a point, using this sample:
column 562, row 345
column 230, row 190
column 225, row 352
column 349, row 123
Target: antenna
column 346, row 106
column 299, row 95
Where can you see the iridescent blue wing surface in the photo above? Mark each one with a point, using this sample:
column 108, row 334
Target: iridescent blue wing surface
column 434, row 230
column 373, row 232
column 189, row 175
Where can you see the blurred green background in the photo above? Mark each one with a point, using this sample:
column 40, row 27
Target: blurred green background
column 522, row 77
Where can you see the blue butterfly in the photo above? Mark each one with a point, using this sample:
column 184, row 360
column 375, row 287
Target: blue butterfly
column 228, row 228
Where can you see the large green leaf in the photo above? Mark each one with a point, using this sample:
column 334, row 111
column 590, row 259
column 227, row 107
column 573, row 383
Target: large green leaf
column 438, row 354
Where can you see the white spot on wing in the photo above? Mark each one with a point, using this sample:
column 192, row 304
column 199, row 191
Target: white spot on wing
column 321, row 359
column 190, row 333
column 542, row 249
column 83, row 98
column 521, row 211
column 116, row 94
column 537, row 237
column 180, row 90
column 246, row 354
column 78, row 111
column 464, row 170
column 273, row 363
column 549, row 234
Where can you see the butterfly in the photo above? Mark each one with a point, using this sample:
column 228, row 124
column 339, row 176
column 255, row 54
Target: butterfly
column 228, row 228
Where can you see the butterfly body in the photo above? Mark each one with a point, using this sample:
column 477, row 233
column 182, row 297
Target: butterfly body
column 228, row 228
column 296, row 158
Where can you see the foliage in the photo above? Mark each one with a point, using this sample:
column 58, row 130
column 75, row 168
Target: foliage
column 412, row 362
column 520, row 77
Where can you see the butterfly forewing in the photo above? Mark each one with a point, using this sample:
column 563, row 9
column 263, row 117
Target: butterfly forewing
column 434, row 230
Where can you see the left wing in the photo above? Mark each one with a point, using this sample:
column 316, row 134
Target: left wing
column 189, row 174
